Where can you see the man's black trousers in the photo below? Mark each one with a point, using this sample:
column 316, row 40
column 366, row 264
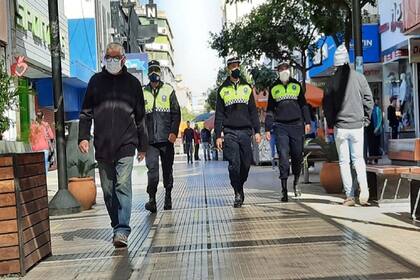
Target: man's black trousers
column 238, row 152
column 290, row 139
column 166, row 153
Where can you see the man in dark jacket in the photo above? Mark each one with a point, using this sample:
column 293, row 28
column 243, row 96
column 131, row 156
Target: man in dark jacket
column 393, row 118
column 236, row 115
column 188, row 137
column 206, row 140
column 114, row 101
column 163, row 117
column 348, row 104
column 289, row 117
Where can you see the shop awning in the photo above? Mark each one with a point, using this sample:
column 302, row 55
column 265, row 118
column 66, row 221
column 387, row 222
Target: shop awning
column 314, row 95
column 73, row 92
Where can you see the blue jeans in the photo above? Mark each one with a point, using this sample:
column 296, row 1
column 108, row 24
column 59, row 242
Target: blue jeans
column 116, row 186
column 349, row 143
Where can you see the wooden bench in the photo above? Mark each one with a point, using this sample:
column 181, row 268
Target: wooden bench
column 414, row 180
column 385, row 181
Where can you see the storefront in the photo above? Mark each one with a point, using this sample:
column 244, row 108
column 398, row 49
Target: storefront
column 31, row 58
column 398, row 79
column 411, row 12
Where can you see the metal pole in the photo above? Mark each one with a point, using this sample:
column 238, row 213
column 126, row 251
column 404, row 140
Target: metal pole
column 63, row 201
column 357, row 35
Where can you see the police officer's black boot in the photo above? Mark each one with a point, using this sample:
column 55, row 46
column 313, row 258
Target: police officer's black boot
column 242, row 194
column 285, row 198
column 151, row 205
column 238, row 200
column 296, row 186
column 168, row 200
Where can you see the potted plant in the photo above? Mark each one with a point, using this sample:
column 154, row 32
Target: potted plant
column 8, row 98
column 83, row 188
column 330, row 177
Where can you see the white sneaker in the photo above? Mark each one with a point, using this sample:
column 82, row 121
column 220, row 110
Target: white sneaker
column 364, row 196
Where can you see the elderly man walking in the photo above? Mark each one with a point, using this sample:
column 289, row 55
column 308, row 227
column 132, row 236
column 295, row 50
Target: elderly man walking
column 114, row 102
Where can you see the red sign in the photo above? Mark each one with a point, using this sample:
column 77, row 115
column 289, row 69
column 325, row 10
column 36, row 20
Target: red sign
column 411, row 15
column 19, row 67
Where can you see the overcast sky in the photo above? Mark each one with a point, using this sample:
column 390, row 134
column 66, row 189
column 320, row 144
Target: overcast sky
column 191, row 21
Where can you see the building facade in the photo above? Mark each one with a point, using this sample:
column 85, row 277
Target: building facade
column 411, row 19
column 232, row 13
column 398, row 75
column 161, row 49
column 184, row 94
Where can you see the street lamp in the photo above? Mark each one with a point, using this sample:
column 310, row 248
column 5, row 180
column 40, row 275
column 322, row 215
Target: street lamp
column 63, row 201
column 357, row 35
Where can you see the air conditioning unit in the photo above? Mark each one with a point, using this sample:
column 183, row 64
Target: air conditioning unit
column 164, row 30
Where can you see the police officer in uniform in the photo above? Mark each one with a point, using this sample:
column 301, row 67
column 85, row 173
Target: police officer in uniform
column 236, row 116
column 163, row 117
column 288, row 115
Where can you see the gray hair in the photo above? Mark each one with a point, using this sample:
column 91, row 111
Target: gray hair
column 115, row 46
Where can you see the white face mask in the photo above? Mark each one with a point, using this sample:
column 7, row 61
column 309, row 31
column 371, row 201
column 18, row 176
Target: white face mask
column 113, row 67
column 284, row 75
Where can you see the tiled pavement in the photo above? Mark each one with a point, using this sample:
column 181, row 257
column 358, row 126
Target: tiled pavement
column 205, row 238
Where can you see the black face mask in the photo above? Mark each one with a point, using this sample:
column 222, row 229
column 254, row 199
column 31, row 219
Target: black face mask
column 154, row 78
column 236, row 74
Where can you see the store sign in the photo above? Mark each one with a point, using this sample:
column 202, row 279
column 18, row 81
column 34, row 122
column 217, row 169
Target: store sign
column 414, row 50
column 371, row 44
column 391, row 23
column 19, row 67
column 373, row 72
column 327, row 47
column 38, row 24
column 396, row 54
column 411, row 12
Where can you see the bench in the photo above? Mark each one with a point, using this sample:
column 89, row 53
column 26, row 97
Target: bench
column 414, row 180
column 385, row 181
column 314, row 154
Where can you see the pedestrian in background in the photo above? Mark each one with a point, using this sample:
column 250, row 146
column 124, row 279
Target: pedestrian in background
column 188, row 138
column 375, row 130
column 42, row 138
column 394, row 117
column 197, row 141
column 114, row 101
column 206, row 140
column 348, row 105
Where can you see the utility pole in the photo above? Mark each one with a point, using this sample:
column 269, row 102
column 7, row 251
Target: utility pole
column 357, row 35
column 63, row 201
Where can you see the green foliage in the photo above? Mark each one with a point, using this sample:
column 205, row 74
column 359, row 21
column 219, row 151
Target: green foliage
column 8, row 97
column 329, row 149
column 263, row 77
column 83, row 167
column 278, row 26
column 186, row 115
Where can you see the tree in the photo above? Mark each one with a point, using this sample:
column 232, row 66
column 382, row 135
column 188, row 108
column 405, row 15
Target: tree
column 8, row 98
column 273, row 29
column 186, row 115
column 334, row 17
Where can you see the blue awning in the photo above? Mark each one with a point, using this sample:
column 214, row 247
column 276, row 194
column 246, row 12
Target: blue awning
column 73, row 91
